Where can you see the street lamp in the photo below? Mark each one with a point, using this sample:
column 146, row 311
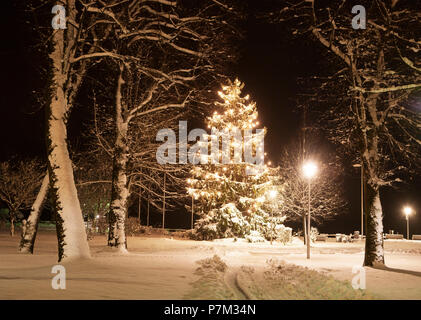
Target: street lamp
column 272, row 194
column 358, row 165
column 309, row 171
column 407, row 211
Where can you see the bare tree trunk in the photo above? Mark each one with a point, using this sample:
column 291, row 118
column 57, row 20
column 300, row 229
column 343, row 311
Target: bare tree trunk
column 374, row 253
column 139, row 205
column 120, row 191
column 12, row 224
column 71, row 234
column 119, row 195
column 147, row 217
column 30, row 226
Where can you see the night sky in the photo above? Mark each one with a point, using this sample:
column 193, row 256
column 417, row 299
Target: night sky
column 270, row 65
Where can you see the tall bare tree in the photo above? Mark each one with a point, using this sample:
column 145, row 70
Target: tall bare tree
column 164, row 54
column 371, row 91
column 143, row 171
column 326, row 197
column 70, row 47
column 19, row 182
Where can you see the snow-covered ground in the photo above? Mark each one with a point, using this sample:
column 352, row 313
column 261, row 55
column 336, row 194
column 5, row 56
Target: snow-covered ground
column 164, row 268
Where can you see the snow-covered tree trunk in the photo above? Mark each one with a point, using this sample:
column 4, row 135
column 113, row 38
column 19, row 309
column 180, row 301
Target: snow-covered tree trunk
column 120, row 191
column 30, row 226
column 374, row 252
column 71, row 234
column 119, row 194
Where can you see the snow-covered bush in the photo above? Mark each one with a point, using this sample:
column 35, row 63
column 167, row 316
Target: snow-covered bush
column 181, row 234
column 313, row 234
column 160, row 231
column 225, row 222
column 133, row 226
column 271, row 228
column 255, row 236
column 191, row 234
column 283, row 234
column 146, row 229
column 229, row 222
column 214, row 263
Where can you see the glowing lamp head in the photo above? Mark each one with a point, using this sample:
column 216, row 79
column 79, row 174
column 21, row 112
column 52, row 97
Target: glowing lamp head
column 309, row 169
column 407, row 211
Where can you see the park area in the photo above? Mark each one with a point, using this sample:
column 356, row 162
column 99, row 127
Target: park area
column 165, row 267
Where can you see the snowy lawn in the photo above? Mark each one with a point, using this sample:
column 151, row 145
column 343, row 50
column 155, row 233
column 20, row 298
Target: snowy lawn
column 163, row 268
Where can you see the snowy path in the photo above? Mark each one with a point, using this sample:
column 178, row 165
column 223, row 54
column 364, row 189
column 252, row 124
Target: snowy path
column 159, row 268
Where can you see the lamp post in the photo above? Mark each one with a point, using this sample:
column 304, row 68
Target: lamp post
column 193, row 197
column 358, row 165
column 147, row 216
column 163, row 203
column 272, row 195
column 309, row 171
column 407, row 211
column 192, row 210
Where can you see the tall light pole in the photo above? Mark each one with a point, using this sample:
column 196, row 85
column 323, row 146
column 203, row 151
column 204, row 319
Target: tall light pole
column 163, row 203
column 193, row 197
column 192, row 210
column 147, row 216
column 272, row 196
column 139, row 209
column 309, row 171
column 407, row 211
column 358, row 165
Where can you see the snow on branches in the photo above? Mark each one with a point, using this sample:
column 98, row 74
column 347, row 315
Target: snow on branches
column 232, row 202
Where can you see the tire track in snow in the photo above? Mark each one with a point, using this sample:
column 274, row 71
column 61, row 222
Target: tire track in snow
column 231, row 280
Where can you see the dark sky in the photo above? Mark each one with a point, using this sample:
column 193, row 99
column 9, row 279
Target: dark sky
column 269, row 66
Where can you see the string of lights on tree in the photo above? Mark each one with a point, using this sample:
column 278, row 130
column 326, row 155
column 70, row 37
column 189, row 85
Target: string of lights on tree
column 230, row 200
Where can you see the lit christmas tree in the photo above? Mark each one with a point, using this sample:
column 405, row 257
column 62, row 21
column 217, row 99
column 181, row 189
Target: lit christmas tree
column 231, row 192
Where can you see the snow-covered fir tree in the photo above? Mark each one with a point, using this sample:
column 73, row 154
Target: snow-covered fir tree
column 231, row 194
